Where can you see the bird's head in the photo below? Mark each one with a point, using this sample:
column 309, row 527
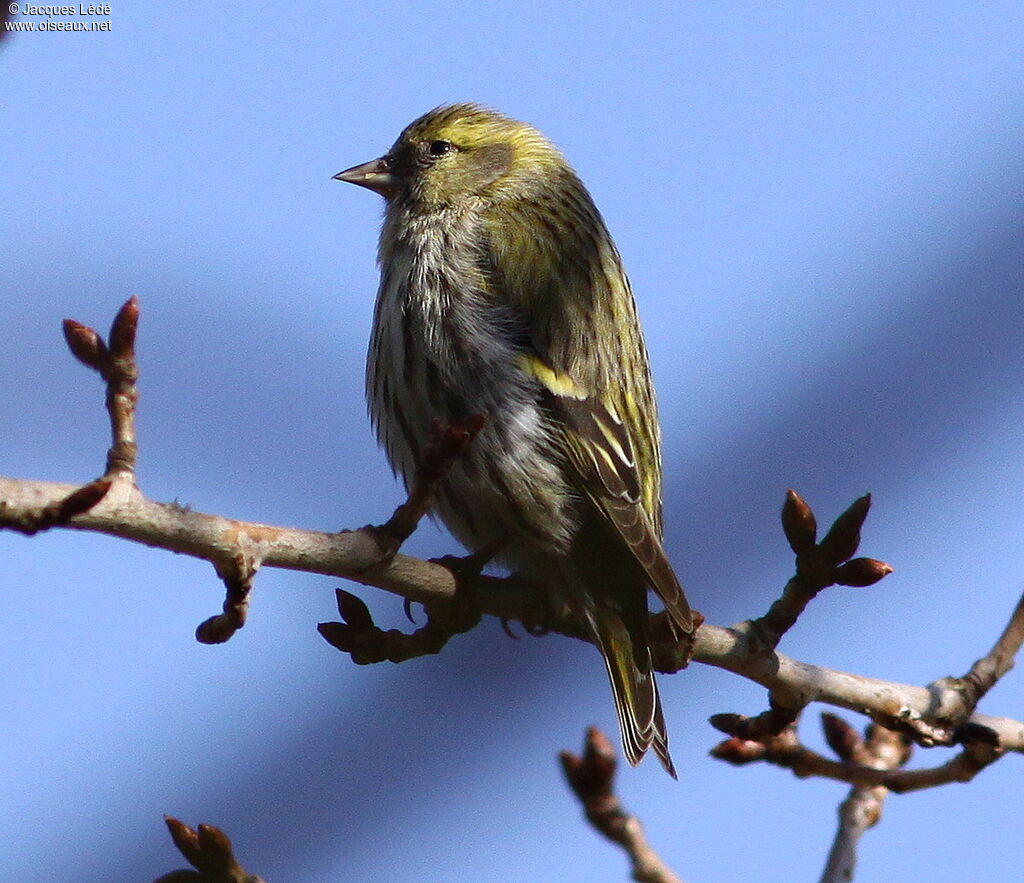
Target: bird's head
column 457, row 152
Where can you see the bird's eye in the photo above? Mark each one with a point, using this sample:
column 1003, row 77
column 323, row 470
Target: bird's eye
column 440, row 148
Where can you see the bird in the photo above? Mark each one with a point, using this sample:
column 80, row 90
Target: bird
column 502, row 294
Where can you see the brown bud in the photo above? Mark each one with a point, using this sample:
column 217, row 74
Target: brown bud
column 798, row 523
column 215, row 846
column 843, row 538
column 598, row 749
column 451, row 440
column 727, row 722
column 217, row 629
column 591, row 776
column 353, row 610
column 861, row 572
column 79, row 501
column 738, row 751
column 85, row 344
column 122, row 331
column 843, row 739
column 185, row 838
column 576, row 774
column 338, row 635
column 570, row 762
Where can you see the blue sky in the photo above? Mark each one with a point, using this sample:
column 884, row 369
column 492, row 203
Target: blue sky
column 820, row 206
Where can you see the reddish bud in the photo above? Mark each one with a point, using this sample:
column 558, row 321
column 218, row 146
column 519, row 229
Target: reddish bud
column 738, row 751
column 82, row 500
column 599, row 749
column 215, row 846
column 843, row 538
column 449, row 441
column 122, row 331
column 572, row 769
column 472, row 425
column 217, row 629
column 591, row 776
column 843, row 739
column 861, row 572
column 798, row 523
column 727, row 723
column 185, row 838
column 85, row 344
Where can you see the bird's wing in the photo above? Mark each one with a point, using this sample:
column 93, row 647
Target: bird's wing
column 552, row 264
column 600, row 451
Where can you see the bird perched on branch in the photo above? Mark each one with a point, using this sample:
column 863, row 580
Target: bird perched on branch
column 502, row 293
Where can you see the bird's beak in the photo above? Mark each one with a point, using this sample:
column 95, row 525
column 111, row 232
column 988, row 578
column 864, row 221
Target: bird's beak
column 375, row 175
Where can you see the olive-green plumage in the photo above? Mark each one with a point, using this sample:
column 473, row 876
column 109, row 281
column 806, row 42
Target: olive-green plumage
column 502, row 293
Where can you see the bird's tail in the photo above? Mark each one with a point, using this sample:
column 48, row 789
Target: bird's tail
column 628, row 660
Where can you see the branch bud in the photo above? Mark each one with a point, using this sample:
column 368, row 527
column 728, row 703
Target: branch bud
column 861, row 572
column 85, row 344
column 590, row 776
column 843, row 538
column 340, row 636
column 353, row 610
column 122, row 331
column 738, row 751
column 185, row 838
column 843, row 739
column 215, row 847
column 798, row 523
column 82, row 500
column 727, row 722
column 216, row 629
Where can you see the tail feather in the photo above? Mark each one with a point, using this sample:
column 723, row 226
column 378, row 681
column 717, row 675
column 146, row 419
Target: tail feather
column 607, row 593
column 637, row 703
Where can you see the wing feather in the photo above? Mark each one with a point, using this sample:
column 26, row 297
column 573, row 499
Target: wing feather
column 600, row 452
column 605, row 420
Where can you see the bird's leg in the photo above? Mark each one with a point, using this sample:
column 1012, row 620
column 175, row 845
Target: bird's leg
column 465, row 569
column 448, row 442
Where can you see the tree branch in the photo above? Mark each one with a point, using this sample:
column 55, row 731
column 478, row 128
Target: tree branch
column 932, row 712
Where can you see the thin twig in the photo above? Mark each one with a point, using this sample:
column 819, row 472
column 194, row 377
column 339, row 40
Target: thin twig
column 448, row 443
column 818, row 565
column 984, row 674
column 923, row 713
column 772, row 722
column 115, row 362
column 592, row 779
column 981, row 748
column 862, row 808
column 237, row 575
